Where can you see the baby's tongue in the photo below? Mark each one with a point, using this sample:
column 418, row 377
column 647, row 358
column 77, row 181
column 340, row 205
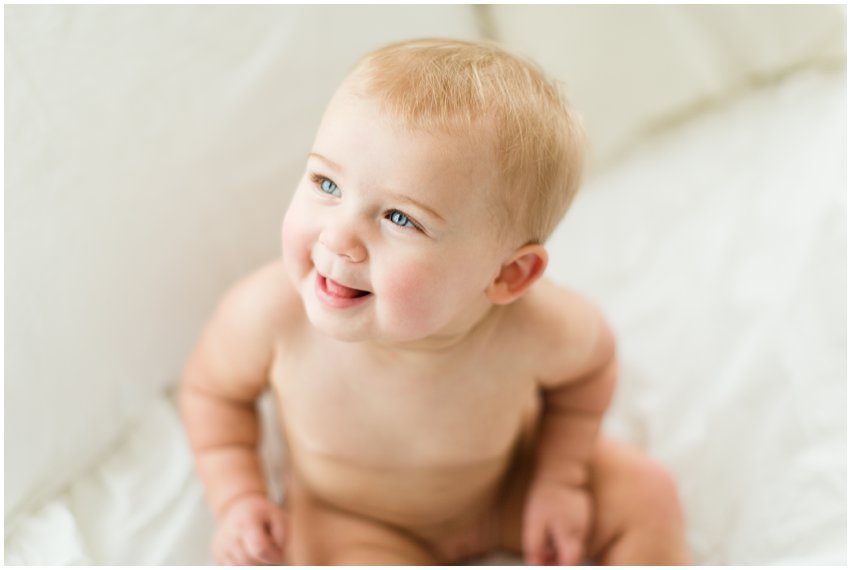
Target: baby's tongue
column 342, row 290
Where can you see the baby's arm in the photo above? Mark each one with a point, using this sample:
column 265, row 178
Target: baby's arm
column 223, row 378
column 574, row 396
column 573, row 405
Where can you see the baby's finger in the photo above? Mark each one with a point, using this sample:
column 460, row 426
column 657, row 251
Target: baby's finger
column 569, row 550
column 570, row 539
column 226, row 553
column 543, row 552
column 278, row 529
column 534, row 541
column 260, row 547
column 236, row 556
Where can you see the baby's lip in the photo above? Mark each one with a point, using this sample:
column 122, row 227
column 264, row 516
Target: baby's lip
column 338, row 289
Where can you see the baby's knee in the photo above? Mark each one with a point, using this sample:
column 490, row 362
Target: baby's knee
column 628, row 478
column 639, row 519
column 657, row 485
column 660, row 484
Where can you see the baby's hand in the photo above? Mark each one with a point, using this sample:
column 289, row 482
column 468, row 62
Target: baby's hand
column 252, row 531
column 555, row 523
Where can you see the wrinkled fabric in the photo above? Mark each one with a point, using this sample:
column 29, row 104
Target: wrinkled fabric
column 717, row 251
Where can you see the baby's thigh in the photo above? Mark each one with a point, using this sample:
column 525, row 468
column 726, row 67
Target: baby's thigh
column 321, row 535
column 637, row 517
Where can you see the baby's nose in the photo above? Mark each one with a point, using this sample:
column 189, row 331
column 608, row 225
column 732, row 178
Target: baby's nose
column 343, row 242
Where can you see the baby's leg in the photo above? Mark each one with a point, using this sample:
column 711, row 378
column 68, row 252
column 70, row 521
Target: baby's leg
column 321, row 535
column 637, row 519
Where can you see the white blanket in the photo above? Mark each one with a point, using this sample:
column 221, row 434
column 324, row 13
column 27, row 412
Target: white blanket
column 718, row 252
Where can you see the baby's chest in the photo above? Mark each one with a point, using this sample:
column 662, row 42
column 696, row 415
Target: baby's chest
column 467, row 412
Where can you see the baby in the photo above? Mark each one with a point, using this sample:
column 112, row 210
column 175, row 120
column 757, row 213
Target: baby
column 440, row 398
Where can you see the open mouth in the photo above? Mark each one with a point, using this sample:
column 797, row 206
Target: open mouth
column 337, row 294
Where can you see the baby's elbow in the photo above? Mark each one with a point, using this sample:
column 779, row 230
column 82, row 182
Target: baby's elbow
column 607, row 343
column 609, row 380
column 604, row 359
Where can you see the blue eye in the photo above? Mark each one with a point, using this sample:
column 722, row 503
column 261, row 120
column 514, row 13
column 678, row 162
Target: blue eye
column 401, row 219
column 328, row 186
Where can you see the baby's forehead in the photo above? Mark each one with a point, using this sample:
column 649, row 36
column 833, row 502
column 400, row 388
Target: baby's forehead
column 457, row 139
column 460, row 121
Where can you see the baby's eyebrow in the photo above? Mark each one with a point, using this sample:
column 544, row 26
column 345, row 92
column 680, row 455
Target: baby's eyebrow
column 417, row 203
column 328, row 161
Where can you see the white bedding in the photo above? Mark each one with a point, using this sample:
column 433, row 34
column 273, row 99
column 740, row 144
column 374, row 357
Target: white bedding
column 718, row 251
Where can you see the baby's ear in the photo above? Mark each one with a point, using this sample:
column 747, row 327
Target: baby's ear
column 522, row 269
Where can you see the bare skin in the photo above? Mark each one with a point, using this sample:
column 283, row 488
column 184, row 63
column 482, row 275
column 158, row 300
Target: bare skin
column 440, row 398
column 443, row 478
column 639, row 523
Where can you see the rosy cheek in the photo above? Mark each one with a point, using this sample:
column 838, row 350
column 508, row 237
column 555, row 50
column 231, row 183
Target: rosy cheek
column 410, row 294
column 295, row 236
column 290, row 231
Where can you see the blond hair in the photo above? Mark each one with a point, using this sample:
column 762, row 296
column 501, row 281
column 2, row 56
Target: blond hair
column 478, row 88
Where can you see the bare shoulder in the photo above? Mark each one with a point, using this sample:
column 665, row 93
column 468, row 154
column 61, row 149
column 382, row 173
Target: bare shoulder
column 568, row 334
column 264, row 300
column 237, row 344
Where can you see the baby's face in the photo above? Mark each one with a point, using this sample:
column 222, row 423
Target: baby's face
column 389, row 235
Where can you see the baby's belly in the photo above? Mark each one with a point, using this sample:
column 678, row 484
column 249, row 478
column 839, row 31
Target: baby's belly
column 429, row 501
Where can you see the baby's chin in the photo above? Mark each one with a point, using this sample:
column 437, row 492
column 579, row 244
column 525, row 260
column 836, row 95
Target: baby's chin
column 354, row 330
column 342, row 327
